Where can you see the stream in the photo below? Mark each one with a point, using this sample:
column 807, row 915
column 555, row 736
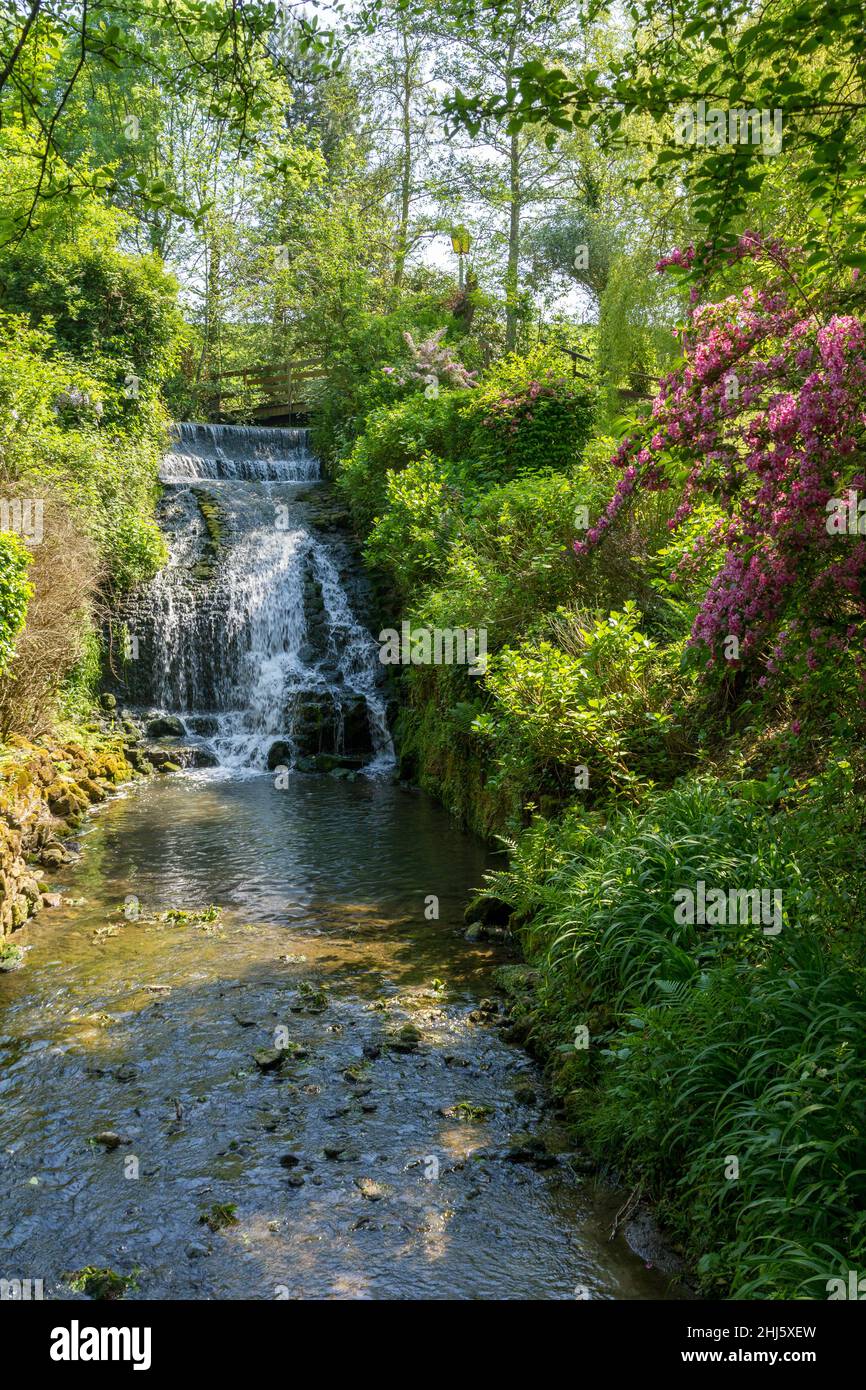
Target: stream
column 302, row 1093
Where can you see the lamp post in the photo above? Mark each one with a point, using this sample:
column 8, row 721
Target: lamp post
column 461, row 242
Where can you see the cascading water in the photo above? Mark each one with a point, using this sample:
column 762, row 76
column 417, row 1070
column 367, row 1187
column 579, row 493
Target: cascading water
column 249, row 635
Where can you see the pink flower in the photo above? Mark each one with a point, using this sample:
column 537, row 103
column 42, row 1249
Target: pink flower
column 771, row 450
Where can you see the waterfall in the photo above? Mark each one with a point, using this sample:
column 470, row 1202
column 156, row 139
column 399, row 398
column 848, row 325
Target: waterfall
column 250, row 635
column 247, row 452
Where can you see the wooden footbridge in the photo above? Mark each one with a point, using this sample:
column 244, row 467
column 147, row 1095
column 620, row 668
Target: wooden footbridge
column 272, row 392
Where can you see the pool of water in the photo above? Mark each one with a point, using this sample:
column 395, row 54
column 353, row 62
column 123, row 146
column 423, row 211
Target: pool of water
column 353, row 1170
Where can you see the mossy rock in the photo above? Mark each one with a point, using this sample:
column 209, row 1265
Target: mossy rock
column 165, row 726
column 91, row 789
column 404, row 1038
column 517, row 979
column 269, row 1058
column 11, row 957
column 100, row 1283
column 219, row 1216
column 66, row 801
column 20, row 913
column 211, row 515
column 467, row 1112
column 490, row 912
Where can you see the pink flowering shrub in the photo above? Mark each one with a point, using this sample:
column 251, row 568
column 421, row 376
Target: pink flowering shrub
column 431, row 364
column 765, row 416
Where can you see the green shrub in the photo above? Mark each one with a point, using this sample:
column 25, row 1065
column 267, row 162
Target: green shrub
column 357, row 383
column 527, row 416
column 56, row 434
column 511, row 561
column 81, row 686
column 63, row 575
column 521, row 420
column 114, row 314
column 394, row 436
column 600, row 699
column 409, row 538
column 15, row 590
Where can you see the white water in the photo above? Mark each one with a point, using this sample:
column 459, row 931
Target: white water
column 241, row 651
column 238, row 451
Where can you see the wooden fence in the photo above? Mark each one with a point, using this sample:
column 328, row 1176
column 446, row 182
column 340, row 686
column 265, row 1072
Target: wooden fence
column 275, row 391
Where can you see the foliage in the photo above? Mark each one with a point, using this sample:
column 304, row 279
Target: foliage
column 509, row 562
column 114, row 314
column 764, row 416
column 515, row 421
column 81, row 433
column 62, row 577
column 706, row 1041
column 526, row 416
column 51, row 52
column 15, row 591
column 732, row 57
column 599, row 698
column 430, row 362
column 81, row 684
column 64, row 430
column 358, row 385
column 395, row 435
column 410, row 535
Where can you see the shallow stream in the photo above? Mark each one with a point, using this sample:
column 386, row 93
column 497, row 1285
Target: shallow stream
column 355, row 1169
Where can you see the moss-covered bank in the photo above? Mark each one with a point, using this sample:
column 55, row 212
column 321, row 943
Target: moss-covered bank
column 46, row 787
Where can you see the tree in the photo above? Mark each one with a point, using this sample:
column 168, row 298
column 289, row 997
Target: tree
column 793, row 73
column 486, row 45
column 50, row 50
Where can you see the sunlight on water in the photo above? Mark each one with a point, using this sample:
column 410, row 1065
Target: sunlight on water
column 351, row 1172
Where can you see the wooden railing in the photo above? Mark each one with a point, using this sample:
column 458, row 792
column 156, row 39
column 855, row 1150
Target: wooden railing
column 281, row 390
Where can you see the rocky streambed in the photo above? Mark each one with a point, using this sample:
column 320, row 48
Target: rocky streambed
column 252, row 1055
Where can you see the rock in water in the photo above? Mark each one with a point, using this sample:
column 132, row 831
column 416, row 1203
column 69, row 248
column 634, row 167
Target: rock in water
column 166, row 726
column 108, row 1139
column 269, row 1058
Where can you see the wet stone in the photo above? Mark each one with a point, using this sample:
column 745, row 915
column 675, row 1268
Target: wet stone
column 269, row 1058
column 373, row 1190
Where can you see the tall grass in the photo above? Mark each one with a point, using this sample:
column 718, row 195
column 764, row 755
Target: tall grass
column 710, row 1045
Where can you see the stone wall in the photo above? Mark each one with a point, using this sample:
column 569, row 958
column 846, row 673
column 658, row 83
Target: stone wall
column 45, row 789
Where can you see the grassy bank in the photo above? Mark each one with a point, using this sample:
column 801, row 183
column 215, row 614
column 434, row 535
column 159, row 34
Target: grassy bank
column 88, row 335
column 721, row 1068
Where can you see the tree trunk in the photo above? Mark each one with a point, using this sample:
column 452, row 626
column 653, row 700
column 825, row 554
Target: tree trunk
column 511, row 281
column 405, row 168
column 213, row 321
column 514, row 212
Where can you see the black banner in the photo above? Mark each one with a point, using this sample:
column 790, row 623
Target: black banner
column 81, row 1339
